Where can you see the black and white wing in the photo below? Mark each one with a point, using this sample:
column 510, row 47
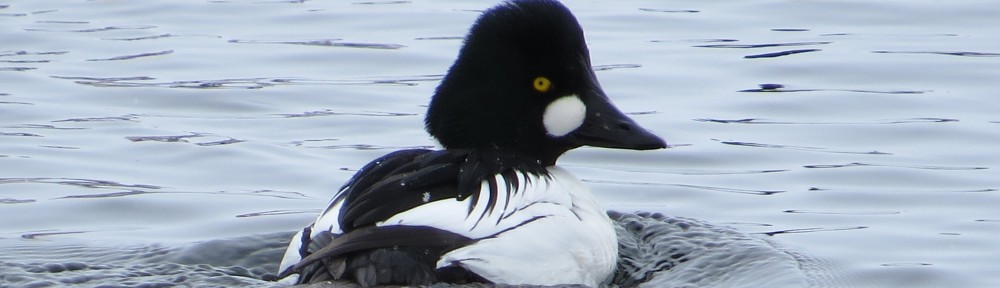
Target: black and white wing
column 430, row 202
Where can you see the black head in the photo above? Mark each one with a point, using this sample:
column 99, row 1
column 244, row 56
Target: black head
column 523, row 80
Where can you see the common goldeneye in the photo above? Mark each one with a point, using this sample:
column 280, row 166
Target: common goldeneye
column 492, row 206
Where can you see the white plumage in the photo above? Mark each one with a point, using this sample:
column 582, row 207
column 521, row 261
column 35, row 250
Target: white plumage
column 564, row 115
column 549, row 221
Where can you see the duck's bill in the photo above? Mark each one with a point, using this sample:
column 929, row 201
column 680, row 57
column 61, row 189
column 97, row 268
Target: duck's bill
column 606, row 126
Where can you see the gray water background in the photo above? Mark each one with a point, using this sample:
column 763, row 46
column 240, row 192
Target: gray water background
column 860, row 132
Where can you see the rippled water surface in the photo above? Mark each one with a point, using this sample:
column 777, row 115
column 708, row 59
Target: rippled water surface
column 137, row 135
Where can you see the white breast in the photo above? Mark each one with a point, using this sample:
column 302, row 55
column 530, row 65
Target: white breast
column 548, row 231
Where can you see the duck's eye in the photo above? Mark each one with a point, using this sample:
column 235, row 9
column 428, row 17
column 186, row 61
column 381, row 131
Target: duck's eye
column 542, row 84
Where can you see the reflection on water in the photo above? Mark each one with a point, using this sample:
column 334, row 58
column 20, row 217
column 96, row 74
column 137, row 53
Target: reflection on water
column 165, row 143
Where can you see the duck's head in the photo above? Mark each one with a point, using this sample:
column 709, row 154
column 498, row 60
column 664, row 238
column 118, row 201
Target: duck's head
column 523, row 80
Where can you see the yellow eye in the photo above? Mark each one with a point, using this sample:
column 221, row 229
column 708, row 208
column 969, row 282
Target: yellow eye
column 542, row 84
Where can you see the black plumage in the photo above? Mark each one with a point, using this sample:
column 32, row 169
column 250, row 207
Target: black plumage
column 395, row 183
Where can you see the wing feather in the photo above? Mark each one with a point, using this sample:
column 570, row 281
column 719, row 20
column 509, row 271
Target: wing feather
column 356, row 220
column 406, row 179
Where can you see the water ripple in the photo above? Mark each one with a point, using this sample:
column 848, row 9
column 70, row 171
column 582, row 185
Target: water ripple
column 696, row 40
column 873, row 122
column 789, row 30
column 279, row 212
column 949, row 53
column 170, row 138
column 892, row 35
column 381, row 2
column 897, row 190
column 141, row 37
column 29, row 53
column 766, row 45
column 17, row 69
column 773, row 88
column 60, row 147
column 15, row 201
column 328, row 112
column 183, row 139
column 106, row 195
column 79, row 182
column 700, row 187
column 14, row 102
column 61, row 22
column 669, row 10
column 812, row 230
column 905, row 264
column 614, row 66
column 134, row 56
column 690, row 172
column 91, row 30
column 366, row 147
column 36, row 235
column 922, row 167
column 324, row 42
column 801, row 211
column 780, row 54
column 800, row 148
column 259, row 193
column 239, row 83
column 25, row 61
column 127, row 117
column 19, row 134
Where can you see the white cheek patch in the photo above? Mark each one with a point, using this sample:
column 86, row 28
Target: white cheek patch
column 564, row 115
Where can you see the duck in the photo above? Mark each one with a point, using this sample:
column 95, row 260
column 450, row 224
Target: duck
column 492, row 206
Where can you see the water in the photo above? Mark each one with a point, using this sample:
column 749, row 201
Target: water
column 857, row 135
